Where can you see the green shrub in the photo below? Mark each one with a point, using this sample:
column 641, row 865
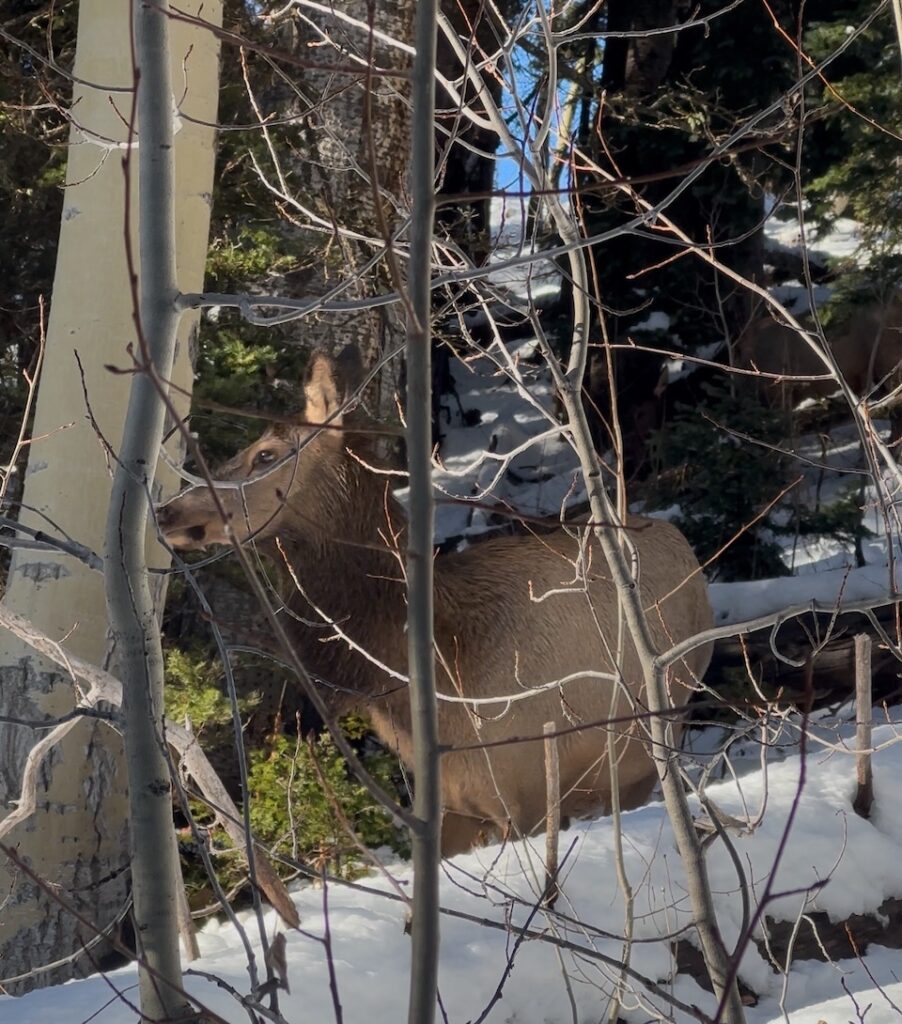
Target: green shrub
column 721, row 481
column 300, row 790
column 195, row 693
column 240, row 367
column 840, row 519
column 722, row 464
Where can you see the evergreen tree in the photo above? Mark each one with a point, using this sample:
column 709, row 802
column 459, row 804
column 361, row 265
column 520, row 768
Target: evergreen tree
column 851, row 154
column 33, row 134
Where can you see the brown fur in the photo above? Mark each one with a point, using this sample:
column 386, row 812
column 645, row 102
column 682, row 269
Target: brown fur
column 343, row 534
column 867, row 349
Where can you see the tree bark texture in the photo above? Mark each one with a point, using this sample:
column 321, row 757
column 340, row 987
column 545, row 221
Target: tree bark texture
column 355, row 137
column 427, row 805
column 654, row 113
column 134, row 626
column 461, row 145
column 78, row 839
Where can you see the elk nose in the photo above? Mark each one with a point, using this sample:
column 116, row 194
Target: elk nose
column 169, row 520
column 164, row 516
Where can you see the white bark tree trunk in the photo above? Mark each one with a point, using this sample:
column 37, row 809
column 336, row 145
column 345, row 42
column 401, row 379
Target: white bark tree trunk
column 78, row 841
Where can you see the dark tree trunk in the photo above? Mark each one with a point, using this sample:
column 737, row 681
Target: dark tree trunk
column 464, row 172
column 466, row 165
column 653, row 87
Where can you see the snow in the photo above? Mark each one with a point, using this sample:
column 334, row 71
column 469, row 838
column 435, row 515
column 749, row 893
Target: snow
column 655, row 321
column 825, row 568
column 514, row 456
column 882, row 1005
column 828, row 858
column 739, row 602
column 841, row 240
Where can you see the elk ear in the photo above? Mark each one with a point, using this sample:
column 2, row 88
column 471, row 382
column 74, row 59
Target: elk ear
column 322, row 389
column 330, row 382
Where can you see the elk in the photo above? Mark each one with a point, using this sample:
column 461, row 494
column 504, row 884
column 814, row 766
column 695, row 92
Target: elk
column 513, row 614
column 867, row 349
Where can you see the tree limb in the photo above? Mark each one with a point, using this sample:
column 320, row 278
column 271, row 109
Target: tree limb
column 103, row 687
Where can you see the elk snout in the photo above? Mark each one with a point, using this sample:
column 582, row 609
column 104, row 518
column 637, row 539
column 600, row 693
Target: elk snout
column 180, row 528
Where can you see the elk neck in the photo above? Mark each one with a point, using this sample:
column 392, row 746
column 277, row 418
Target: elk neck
column 340, row 539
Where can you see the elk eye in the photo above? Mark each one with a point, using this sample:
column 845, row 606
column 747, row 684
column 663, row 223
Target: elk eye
column 264, row 457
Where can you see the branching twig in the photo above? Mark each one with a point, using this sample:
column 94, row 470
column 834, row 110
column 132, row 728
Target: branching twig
column 105, row 688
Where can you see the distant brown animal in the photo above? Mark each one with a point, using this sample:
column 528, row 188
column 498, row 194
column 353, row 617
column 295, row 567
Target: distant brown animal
column 867, row 349
column 510, row 614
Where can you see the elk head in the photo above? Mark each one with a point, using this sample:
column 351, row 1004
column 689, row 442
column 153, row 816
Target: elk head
column 284, row 472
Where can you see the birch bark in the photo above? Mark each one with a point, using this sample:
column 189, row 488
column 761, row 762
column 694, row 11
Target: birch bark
column 78, row 838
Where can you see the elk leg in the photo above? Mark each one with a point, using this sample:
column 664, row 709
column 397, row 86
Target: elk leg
column 461, row 833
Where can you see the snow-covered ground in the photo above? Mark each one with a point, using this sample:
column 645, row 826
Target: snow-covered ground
column 799, row 832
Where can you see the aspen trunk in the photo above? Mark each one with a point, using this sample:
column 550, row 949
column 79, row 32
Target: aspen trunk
column 78, row 840
column 425, row 836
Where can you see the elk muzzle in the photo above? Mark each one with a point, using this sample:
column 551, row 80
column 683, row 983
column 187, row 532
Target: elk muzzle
column 188, row 521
